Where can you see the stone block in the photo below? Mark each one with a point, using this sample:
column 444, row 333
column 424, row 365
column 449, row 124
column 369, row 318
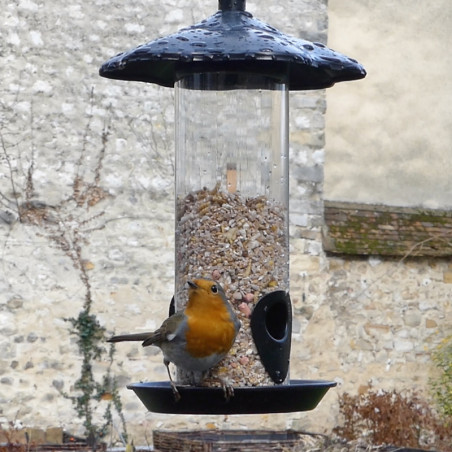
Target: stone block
column 36, row 436
column 54, row 435
column 373, row 329
column 312, row 174
column 412, row 319
column 15, row 302
column 13, row 436
column 402, row 345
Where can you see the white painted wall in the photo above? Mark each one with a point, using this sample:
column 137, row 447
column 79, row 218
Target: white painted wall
column 389, row 136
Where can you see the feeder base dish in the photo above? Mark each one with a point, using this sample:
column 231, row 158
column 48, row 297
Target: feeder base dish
column 298, row 395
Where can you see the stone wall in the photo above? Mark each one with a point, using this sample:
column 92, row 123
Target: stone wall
column 86, row 195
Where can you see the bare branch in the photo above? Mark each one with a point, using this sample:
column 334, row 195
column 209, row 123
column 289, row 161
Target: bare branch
column 11, row 176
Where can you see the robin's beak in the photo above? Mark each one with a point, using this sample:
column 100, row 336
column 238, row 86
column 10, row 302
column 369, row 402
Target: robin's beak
column 192, row 285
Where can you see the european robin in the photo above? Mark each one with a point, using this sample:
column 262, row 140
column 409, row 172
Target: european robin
column 198, row 337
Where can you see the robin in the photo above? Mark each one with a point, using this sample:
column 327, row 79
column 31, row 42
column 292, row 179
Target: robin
column 198, row 337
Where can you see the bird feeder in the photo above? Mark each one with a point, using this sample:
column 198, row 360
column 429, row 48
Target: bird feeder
column 232, row 75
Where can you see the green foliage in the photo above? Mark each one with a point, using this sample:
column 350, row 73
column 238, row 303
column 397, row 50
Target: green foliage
column 390, row 418
column 90, row 339
column 442, row 384
column 90, row 335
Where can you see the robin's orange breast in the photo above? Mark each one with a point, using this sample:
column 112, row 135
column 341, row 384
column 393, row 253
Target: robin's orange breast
column 210, row 331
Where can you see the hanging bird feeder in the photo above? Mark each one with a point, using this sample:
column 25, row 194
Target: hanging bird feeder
column 232, row 75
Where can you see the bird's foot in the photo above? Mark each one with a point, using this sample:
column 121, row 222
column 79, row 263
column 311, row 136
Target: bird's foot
column 176, row 393
column 228, row 389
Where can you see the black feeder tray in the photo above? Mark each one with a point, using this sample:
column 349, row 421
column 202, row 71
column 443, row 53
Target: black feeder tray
column 233, row 42
column 298, row 395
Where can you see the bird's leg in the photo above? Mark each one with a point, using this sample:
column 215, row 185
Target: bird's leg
column 173, row 385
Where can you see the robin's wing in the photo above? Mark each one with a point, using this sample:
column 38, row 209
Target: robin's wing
column 171, row 328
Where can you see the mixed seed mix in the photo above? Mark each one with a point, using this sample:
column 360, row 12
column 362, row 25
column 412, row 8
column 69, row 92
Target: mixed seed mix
column 241, row 243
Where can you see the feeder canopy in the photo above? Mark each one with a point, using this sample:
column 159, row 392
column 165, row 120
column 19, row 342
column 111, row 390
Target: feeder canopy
column 233, row 41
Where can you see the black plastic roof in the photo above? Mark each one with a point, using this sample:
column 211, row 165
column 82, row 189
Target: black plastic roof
column 232, row 40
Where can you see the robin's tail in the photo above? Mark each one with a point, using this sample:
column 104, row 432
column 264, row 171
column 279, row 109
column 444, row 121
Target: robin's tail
column 131, row 337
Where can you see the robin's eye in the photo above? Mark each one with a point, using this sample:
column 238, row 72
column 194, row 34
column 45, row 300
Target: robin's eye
column 214, row 289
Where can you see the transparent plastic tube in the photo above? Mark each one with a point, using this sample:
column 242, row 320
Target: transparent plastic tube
column 232, row 199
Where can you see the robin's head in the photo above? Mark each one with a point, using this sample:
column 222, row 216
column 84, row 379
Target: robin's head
column 205, row 288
